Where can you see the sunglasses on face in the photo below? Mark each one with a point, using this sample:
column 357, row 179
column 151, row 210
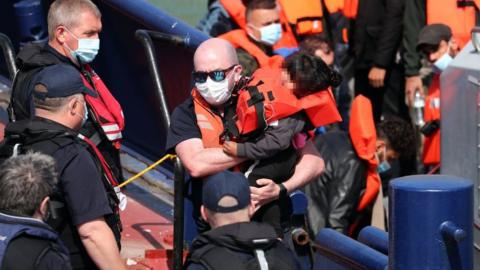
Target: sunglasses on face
column 216, row 75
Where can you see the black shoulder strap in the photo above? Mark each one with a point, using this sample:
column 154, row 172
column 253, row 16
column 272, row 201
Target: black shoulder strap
column 15, row 107
column 258, row 101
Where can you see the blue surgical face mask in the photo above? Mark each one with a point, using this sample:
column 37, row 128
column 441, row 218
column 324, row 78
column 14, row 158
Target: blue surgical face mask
column 383, row 167
column 87, row 49
column 442, row 63
column 85, row 113
column 271, row 33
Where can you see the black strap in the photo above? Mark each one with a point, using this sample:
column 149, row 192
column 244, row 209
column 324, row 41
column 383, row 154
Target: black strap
column 258, row 101
column 327, row 22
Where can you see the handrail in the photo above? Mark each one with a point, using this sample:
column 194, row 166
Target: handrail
column 9, row 55
column 146, row 37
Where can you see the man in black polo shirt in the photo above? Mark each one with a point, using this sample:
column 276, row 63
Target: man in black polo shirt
column 194, row 132
column 84, row 204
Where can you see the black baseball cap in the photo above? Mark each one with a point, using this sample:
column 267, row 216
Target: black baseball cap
column 225, row 183
column 432, row 34
column 60, row 81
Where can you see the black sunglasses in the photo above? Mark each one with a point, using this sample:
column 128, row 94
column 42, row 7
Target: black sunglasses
column 216, row 75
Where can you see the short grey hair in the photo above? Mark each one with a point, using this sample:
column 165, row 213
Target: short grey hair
column 65, row 12
column 25, row 180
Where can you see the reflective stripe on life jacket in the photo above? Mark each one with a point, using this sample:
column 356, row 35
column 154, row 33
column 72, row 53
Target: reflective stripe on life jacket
column 239, row 39
column 364, row 136
column 460, row 19
column 277, row 102
column 431, row 145
column 209, row 123
column 236, row 10
column 106, row 109
column 305, row 15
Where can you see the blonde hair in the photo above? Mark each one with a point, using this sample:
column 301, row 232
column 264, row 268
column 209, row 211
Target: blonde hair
column 65, row 12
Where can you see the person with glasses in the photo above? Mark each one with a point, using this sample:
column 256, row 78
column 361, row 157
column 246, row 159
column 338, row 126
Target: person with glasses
column 197, row 127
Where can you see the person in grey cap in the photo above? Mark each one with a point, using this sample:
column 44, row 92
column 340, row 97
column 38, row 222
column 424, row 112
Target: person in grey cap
column 439, row 47
column 84, row 205
column 234, row 242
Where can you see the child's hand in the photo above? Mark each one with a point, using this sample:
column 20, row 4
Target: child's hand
column 230, row 148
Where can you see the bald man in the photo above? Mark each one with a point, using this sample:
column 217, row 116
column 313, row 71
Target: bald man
column 196, row 128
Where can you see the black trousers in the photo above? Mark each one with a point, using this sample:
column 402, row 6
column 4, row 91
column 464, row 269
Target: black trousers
column 387, row 100
column 278, row 168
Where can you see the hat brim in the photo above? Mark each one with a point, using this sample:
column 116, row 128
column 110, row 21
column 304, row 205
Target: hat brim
column 422, row 43
column 89, row 92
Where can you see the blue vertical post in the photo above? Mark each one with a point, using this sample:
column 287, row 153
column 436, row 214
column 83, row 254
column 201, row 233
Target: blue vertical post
column 431, row 223
column 32, row 26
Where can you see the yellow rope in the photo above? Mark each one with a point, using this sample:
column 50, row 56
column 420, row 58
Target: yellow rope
column 133, row 178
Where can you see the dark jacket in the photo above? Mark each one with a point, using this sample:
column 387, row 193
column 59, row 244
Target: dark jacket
column 334, row 196
column 377, row 33
column 414, row 20
column 233, row 247
column 30, row 244
column 83, row 193
column 30, row 60
column 248, row 62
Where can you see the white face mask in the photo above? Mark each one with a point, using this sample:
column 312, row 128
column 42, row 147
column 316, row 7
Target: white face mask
column 215, row 93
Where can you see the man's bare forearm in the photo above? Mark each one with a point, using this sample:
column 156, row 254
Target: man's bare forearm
column 200, row 161
column 307, row 169
column 99, row 241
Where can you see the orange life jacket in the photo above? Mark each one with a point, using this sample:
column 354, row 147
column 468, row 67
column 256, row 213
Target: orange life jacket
column 334, row 6
column 431, row 145
column 239, row 39
column 350, row 8
column 363, row 135
column 209, row 123
column 106, row 109
column 305, row 15
column 265, row 100
column 460, row 19
column 236, row 10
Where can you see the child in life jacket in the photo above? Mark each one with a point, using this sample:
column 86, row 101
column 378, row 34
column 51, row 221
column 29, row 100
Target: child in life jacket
column 274, row 150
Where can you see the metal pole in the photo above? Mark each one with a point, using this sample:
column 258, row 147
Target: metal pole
column 9, row 55
column 178, row 215
column 145, row 37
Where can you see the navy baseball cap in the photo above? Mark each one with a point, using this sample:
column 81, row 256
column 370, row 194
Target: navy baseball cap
column 59, row 81
column 432, row 34
column 226, row 183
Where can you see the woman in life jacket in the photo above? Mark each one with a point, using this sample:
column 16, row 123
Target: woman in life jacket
column 302, row 78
